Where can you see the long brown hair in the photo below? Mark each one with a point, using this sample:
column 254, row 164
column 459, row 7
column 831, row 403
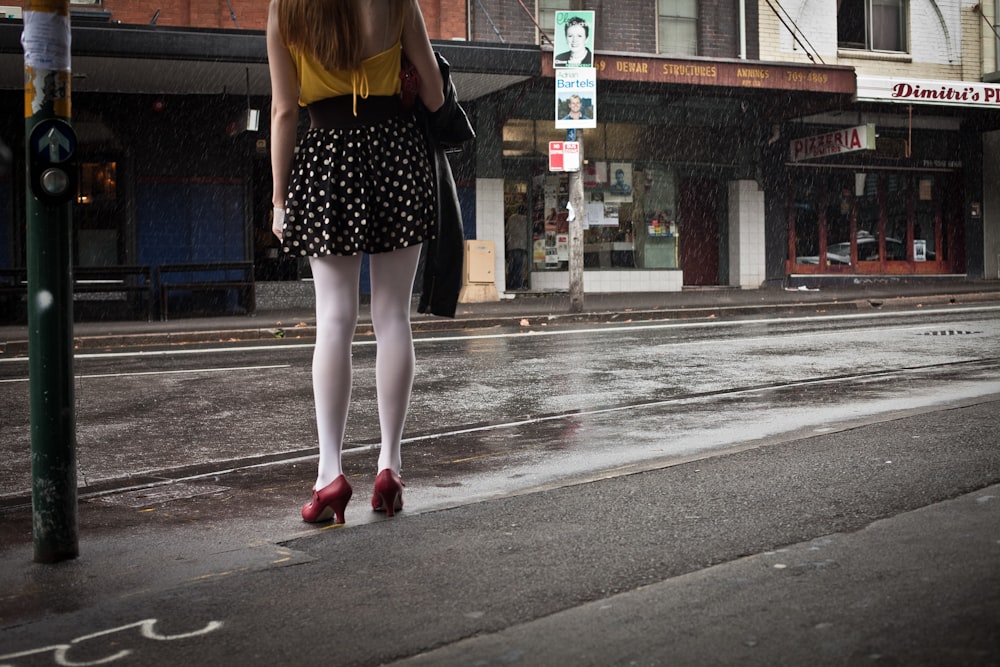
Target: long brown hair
column 327, row 30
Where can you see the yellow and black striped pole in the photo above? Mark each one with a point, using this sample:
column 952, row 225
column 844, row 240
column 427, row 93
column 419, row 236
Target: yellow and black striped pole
column 50, row 147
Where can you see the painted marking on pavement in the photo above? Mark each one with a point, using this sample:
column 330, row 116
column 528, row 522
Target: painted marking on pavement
column 146, row 628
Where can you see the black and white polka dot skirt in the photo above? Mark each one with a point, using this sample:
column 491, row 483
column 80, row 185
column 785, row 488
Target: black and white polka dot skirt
column 365, row 189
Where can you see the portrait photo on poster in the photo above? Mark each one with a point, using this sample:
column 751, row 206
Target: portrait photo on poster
column 575, row 107
column 576, row 99
column 574, row 39
column 620, row 187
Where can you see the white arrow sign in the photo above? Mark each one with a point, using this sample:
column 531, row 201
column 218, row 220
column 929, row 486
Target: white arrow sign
column 55, row 141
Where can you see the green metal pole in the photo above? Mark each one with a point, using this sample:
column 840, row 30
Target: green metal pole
column 49, row 147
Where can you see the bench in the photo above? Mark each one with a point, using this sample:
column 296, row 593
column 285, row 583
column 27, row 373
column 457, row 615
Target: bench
column 208, row 277
column 133, row 284
column 13, row 281
column 13, row 290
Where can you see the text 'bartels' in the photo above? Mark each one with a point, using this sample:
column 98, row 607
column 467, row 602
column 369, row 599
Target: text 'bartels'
column 847, row 140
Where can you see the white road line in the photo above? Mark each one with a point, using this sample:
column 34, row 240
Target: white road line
column 641, row 326
column 189, row 370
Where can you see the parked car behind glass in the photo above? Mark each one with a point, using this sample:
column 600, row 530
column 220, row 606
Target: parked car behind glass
column 840, row 253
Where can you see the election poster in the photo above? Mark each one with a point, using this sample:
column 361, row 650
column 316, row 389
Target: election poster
column 576, row 98
column 574, row 39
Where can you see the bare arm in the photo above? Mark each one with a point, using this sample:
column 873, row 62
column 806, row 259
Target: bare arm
column 417, row 47
column 284, row 109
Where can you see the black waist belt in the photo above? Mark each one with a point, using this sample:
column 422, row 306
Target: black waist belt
column 338, row 112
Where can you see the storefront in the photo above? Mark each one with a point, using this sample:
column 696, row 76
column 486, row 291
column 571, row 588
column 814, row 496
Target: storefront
column 173, row 148
column 670, row 173
column 894, row 186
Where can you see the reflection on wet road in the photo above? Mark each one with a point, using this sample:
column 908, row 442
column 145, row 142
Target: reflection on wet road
column 527, row 408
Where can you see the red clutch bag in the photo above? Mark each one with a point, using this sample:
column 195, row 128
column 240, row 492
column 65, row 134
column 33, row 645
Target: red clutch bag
column 410, row 80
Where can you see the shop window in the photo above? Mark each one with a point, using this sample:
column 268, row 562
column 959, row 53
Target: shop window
column 857, row 222
column 630, row 217
column 517, row 233
column 634, row 215
column 927, row 221
column 677, row 21
column 520, row 137
column 839, row 198
column 98, row 182
column 897, row 202
column 97, row 239
column 867, row 202
column 872, row 25
column 805, row 220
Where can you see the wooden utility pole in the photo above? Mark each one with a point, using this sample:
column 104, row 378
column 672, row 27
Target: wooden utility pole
column 577, row 215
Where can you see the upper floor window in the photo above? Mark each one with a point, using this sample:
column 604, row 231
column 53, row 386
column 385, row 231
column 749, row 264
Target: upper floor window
column 678, row 27
column 547, row 15
column 872, row 25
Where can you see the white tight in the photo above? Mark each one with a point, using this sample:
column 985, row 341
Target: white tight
column 336, row 284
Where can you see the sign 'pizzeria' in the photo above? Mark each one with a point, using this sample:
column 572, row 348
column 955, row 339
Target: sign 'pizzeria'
column 847, row 140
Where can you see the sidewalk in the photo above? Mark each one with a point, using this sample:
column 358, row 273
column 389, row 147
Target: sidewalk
column 529, row 310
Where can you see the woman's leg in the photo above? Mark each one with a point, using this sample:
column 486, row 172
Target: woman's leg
column 392, row 276
column 335, row 279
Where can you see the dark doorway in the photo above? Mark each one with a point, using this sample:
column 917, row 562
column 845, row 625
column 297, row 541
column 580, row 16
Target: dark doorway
column 698, row 227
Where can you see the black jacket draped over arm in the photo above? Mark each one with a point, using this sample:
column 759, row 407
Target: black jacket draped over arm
column 446, row 129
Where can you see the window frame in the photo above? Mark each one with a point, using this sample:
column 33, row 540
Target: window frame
column 549, row 7
column 867, row 44
column 678, row 19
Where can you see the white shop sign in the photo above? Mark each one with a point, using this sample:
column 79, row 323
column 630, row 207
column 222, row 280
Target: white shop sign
column 902, row 90
column 847, row 140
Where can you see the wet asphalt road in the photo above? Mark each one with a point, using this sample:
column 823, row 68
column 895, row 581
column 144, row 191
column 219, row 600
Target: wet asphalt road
column 757, row 493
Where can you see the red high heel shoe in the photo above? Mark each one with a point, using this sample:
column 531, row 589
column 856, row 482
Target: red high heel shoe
column 388, row 496
column 330, row 501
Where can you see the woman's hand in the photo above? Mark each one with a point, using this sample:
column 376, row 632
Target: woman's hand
column 278, row 223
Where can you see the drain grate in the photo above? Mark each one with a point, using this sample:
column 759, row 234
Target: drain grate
column 949, row 332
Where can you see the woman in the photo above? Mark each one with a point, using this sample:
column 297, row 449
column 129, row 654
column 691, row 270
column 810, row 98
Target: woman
column 577, row 33
column 359, row 182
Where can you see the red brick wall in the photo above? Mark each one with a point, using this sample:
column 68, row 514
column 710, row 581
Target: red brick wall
column 250, row 14
column 622, row 25
column 718, row 32
column 625, row 26
column 446, row 19
column 508, row 16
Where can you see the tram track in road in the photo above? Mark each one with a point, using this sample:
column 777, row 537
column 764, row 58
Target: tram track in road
column 965, row 370
column 537, row 326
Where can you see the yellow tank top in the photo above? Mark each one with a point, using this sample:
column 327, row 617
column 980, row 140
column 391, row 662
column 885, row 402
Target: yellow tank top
column 377, row 75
